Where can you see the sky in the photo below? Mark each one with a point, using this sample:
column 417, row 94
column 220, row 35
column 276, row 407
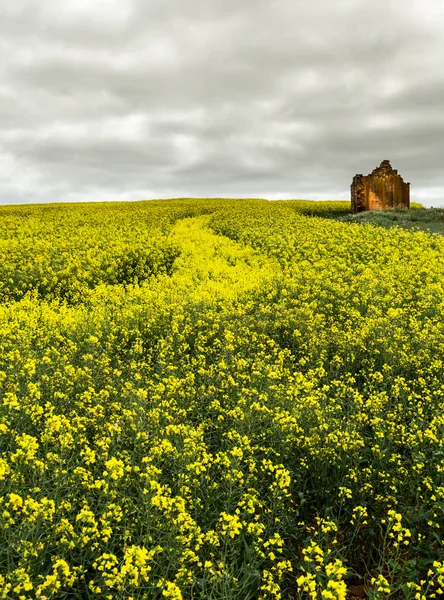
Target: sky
column 104, row 100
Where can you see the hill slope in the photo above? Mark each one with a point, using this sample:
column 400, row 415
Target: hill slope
column 219, row 399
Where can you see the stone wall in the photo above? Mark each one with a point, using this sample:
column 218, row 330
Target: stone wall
column 383, row 188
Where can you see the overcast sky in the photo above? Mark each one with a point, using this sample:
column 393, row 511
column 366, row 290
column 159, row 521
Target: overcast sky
column 139, row 99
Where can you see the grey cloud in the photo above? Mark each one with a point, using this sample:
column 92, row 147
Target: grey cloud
column 283, row 98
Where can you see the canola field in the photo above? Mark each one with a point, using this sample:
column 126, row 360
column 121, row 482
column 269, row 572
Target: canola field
column 219, row 400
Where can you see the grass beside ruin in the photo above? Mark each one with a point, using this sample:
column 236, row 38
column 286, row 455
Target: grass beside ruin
column 430, row 220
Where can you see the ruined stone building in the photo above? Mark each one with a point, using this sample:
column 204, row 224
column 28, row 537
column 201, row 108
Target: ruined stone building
column 383, row 188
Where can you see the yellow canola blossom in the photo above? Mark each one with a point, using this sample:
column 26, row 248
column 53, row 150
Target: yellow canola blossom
column 216, row 398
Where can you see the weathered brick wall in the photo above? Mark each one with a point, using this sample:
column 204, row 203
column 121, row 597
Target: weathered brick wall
column 383, row 188
column 358, row 194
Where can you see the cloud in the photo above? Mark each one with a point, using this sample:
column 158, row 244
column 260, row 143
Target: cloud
column 168, row 98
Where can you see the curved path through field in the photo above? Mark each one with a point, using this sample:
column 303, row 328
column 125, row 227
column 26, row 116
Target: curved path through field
column 213, row 267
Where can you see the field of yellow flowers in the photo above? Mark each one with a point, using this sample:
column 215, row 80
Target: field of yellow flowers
column 219, row 400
